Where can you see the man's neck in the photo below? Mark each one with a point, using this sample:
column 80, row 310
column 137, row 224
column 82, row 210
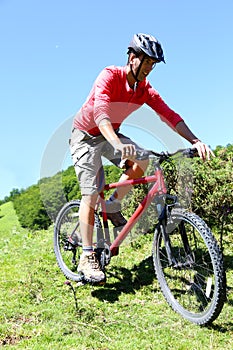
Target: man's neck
column 129, row 76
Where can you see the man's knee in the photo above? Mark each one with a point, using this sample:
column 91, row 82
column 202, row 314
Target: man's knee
column 137, row 167
column 144, row 164
column 89, row 199
column 141, row 165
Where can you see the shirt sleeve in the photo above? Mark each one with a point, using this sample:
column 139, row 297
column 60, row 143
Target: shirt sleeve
column 162, row 109
column 102, row 94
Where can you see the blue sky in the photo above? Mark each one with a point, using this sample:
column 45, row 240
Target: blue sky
column 51, row 52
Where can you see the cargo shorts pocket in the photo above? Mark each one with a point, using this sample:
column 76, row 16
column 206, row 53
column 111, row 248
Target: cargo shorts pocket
column 78, row 153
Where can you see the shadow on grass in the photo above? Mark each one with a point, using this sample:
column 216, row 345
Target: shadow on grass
column 228, row 263
column 222, row 329
column 127, row 281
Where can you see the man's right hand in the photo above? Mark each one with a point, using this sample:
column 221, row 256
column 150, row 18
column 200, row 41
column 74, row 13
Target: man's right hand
column 128, row 151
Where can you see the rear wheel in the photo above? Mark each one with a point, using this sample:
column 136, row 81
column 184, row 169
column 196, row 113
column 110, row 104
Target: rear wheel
column 68, row 241
column 193, row 281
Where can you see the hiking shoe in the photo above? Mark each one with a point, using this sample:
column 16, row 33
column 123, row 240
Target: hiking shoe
column 90, row 268
column 113, row 209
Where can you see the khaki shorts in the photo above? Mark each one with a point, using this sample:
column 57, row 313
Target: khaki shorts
column 86, row 151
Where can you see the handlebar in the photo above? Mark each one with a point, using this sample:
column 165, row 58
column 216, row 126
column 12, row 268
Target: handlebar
column 145, row 154
column 187, row 152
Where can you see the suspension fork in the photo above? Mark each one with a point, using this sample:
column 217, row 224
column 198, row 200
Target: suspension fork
column 167, row 242
column 162, row 209
column 187, row 249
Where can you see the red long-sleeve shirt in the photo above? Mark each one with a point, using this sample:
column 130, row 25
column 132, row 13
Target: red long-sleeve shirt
column 111, row 97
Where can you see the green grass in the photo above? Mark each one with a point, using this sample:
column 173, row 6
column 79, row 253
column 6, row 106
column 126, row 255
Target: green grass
column 39, row 311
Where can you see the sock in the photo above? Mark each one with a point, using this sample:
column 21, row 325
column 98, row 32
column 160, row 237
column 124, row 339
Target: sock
column 113, row 199
column 87, row 250
column 113, row 205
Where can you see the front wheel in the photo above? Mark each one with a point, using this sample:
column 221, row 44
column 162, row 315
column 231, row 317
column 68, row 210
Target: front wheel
column 189, row 267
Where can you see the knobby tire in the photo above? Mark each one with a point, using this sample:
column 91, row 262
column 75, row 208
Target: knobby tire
column 195, row 284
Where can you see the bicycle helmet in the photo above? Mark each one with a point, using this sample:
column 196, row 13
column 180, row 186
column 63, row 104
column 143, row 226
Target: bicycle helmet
column 147, row 44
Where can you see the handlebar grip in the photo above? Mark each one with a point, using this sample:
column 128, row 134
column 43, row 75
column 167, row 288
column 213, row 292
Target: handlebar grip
column 140, row 154
column 190, row 152
column 117, row 153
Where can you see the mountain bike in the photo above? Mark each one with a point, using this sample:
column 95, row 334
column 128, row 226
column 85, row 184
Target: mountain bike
column 187, row 260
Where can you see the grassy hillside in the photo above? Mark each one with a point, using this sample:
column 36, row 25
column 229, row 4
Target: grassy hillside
column 39, row 311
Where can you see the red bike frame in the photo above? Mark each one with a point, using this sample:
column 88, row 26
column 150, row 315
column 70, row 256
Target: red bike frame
column 159, row 188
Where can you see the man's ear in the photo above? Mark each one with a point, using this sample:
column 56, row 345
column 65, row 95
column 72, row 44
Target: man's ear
column 132, row 56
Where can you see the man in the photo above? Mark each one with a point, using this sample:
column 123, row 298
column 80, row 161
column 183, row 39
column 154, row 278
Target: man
column 117, row 92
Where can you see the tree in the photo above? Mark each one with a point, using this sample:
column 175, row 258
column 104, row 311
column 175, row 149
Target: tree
column 30, row 209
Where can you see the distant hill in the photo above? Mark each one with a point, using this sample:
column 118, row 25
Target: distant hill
column 8, row 219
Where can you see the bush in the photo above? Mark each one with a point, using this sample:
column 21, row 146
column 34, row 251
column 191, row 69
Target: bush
column 213, row 188
column 203, row 187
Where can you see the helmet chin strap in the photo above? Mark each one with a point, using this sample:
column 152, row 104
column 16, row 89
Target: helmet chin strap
column 138, row 70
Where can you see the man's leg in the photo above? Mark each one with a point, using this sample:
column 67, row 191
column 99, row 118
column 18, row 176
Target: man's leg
column 88, row 265
column 86, row 217
column 113, row 205
column 134, row 171
column 86, row 153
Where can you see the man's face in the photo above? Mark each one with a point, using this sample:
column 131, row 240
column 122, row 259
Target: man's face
column 148, row 64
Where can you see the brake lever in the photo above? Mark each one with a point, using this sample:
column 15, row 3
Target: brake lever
column 142, row 155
